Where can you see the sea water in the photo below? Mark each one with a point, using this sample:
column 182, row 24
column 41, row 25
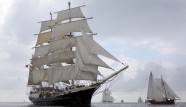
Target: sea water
column 16, row 104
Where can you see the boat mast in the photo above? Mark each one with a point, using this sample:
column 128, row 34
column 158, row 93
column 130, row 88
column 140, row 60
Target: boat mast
column 70, row 35
column 69, row 18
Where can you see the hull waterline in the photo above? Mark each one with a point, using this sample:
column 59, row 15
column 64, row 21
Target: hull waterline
column 80, row 98
column 162, row 102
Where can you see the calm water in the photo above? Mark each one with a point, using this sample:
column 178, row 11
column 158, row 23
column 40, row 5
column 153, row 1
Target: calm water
column 183, row 104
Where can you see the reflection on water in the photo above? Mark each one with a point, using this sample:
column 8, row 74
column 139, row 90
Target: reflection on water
column 15, row 104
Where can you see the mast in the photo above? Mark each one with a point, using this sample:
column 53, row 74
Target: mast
column 70, row 35
column 69, row 18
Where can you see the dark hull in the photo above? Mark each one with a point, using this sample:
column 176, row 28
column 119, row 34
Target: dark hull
column 81, row 98
column 162, row 102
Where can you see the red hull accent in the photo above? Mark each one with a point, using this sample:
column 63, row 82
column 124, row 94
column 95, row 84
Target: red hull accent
column 162, row 102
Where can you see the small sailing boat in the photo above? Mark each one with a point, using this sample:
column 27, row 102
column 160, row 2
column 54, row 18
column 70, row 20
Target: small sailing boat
column 140, row 100
column 122, row 101
column 159, row 92
column 66, row 53
column 106, row 96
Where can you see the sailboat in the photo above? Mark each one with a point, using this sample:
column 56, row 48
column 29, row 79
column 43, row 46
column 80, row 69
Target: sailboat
column 122, row 101
column 106, row 96
column 140, row 100
column 66, row 53
column 159, row 91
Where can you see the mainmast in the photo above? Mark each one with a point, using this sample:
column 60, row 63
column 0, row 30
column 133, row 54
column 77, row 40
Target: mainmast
column 70, row 35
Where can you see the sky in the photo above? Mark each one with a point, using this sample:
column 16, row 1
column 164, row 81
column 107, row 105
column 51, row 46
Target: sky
column 147, row 35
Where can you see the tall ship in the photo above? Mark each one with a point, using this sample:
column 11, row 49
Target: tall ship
column 106, row 96
column 159, row 91
column 64, row 66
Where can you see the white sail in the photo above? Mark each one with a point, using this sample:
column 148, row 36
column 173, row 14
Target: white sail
column 140, row 100
column 165, row 89
column 85, row 67
column 69, row 14
column 106, row 96
column 154, row 92
column 39, row 75
column 74, row 26
column 43, row 38
column 65, row 73
column 95, row 48
column 41, row 51
column 61, row 44
column 45, row 25
column 60, row 73
column 86, row 56
column 62, row 56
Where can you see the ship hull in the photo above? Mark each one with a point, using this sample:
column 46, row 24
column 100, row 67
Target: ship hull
column 162, row 102
column 81, row 98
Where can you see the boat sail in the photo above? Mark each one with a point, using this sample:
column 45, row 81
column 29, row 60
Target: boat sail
column 106, row 96
column 140, row 100
column 66, row 53
column 159, row 92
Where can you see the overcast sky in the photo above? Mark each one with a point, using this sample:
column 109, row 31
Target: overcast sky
column 148, row 35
